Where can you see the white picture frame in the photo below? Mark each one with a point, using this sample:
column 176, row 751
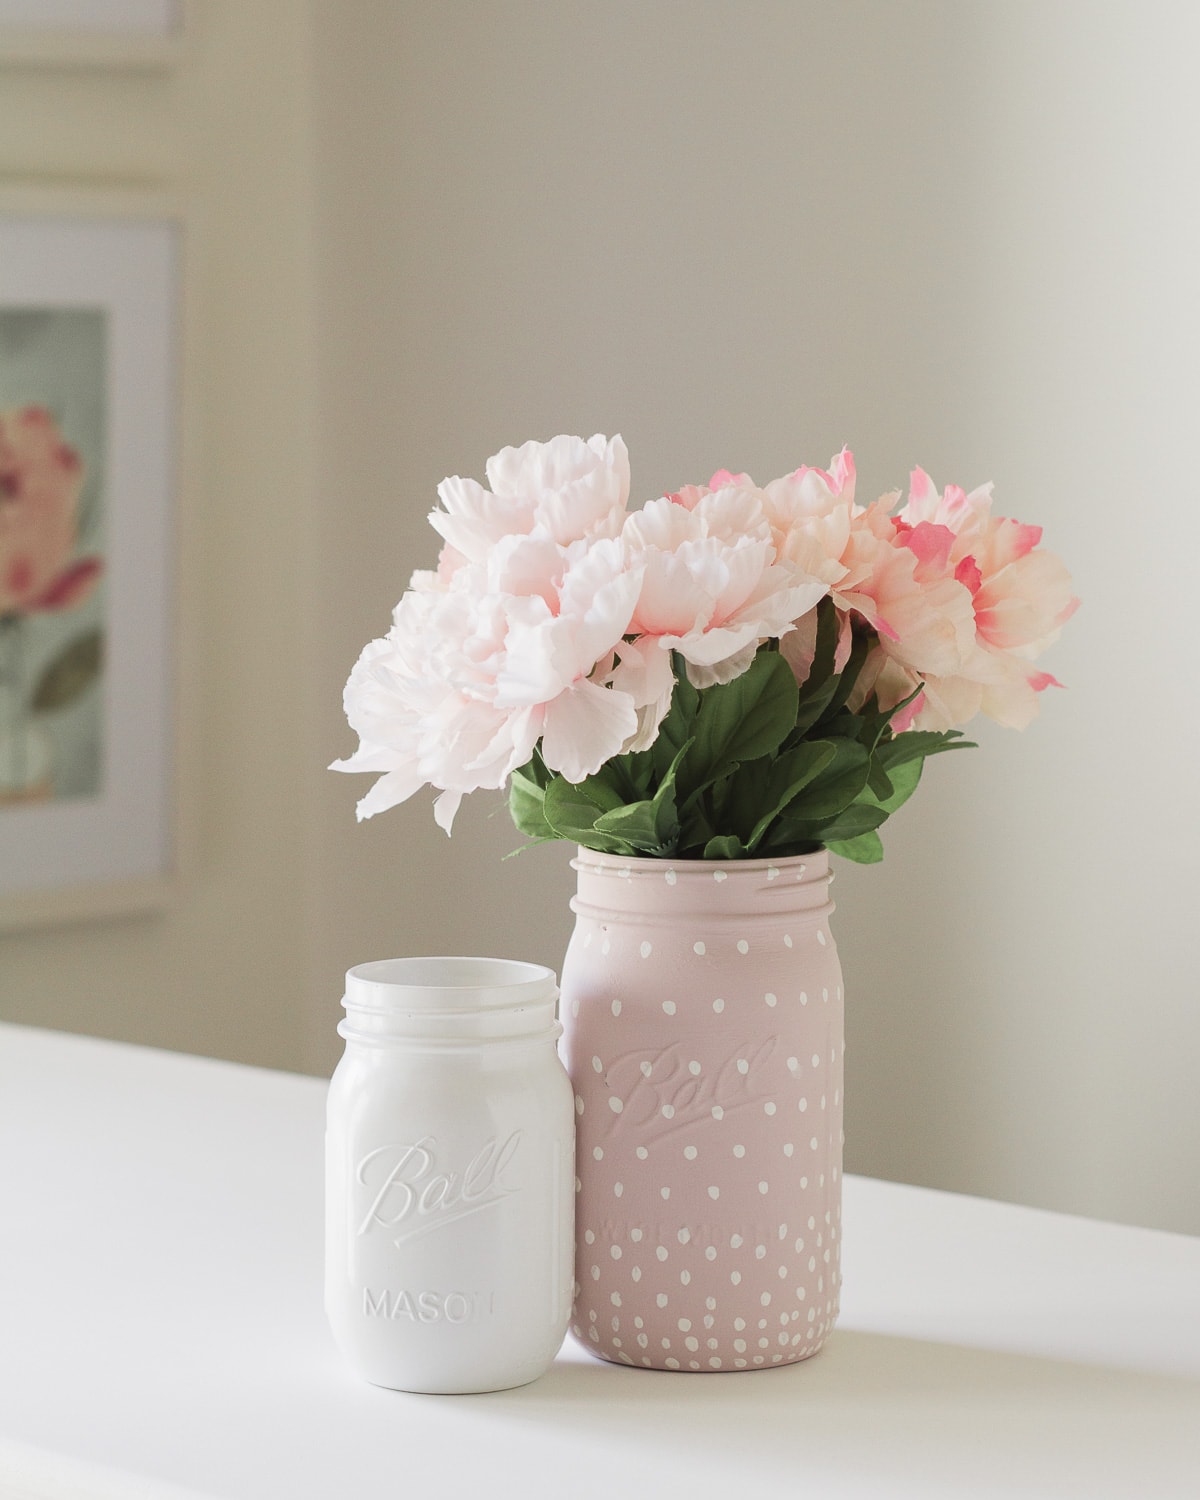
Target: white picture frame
column 92, row 33
column 107, row 845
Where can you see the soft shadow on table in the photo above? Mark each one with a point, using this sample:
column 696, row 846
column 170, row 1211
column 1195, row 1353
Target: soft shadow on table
column 938, row 1413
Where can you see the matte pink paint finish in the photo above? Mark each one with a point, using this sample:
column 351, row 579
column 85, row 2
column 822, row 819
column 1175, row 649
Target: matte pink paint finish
column 702, row 1002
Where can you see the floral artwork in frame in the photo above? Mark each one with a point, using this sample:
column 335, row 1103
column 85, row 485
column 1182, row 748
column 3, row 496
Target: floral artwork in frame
column 88, row 311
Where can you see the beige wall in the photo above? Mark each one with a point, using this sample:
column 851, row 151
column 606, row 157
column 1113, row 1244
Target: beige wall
column 741, row 234
column 228, row 134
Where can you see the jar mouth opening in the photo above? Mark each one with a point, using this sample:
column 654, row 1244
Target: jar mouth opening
column 449, row 985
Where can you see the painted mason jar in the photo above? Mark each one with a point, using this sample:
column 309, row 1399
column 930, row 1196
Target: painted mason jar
column 449, row 1175
column 703, row 1007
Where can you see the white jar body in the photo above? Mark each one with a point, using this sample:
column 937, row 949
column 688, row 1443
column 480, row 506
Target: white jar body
column 449, row 1212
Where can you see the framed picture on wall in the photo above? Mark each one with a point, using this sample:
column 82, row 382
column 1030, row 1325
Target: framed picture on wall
column 89, row 357
column 113, row 33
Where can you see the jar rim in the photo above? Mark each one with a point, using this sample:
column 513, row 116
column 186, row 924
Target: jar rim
column 448, row 985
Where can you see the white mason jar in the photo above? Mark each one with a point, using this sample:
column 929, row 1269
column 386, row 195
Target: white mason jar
column 450, row 1170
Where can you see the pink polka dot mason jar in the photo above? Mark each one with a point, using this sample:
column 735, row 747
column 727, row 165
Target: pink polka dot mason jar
column 702, row 1002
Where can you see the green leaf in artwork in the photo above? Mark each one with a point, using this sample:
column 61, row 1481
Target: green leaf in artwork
column 70, row 674
column 867, row 849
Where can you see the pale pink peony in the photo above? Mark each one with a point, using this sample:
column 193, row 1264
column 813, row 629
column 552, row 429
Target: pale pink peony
column 40, row 480
column 712, row 589
column 566, row 490
column 487, row 659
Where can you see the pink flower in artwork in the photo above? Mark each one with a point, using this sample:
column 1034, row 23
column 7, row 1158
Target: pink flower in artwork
column 40, row 480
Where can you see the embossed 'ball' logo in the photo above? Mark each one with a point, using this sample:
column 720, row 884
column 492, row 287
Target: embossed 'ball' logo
column 413, row 1194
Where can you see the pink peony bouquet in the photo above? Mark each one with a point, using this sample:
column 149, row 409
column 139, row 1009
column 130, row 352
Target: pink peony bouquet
column 732, row 671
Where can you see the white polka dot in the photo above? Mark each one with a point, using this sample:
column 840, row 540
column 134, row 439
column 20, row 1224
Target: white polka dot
column 646, row 949
column 616, row 1007
column 783, row 1270
column 646, row 1069
column 698, row 949
column 636, row 1236
column 685, row 1277
column 803, row 1104
column 769, row 1107
column 793, row 1064
column 666, row 1193
column 765, row 1299
column 825, row 995
column 661, row 1252
column 710, row 1253
column 642, row 1153
column 714, row 1363
column 597, row 1065
column 787, row 940
column 735, row 1277
column 668, row 1111
column 717, row 1112
column 671, row 1363
column 736, row 1242
column 740, row 1324
column 618, row 1189
column 772, row 872
column 694, row 1069
column 816, row 1060
column 691, row 1343
column 598, row 1153
column 615, row 1251
column 813, row 1144
column 739, row 1152
column 803, row 997
column 743, row 946
column 821, row 938
column 669, row 1007
column 684, row 1325
column 788, row 1149
column 661, row 1299
column 718, row 1005
column 578, row 1105
column 615, row 1104
column 615, row 1298
column 772, row 1000
column 763, row 1187
column 714, row 1193
column 743, row 1066
column 719, row 876
column 690, row 1152
column 684, row 1236
column 595, row 1273
column 589, row 1237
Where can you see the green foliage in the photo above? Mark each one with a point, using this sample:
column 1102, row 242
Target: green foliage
column 754, row 768
column 70, row 674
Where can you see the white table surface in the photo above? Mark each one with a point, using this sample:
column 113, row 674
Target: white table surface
column 161, row 1333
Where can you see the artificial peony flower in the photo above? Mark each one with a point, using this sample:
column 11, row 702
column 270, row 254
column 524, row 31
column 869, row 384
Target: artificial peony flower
column 712, row 589
column 1021, row 598
column 40, row 480
column 497, row 652
column 566, row 490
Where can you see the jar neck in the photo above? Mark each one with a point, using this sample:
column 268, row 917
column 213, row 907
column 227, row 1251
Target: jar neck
column 441, row 1034
column 652, row 890
column 449, row 1003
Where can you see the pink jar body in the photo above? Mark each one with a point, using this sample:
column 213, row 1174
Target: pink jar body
column 702, row 1005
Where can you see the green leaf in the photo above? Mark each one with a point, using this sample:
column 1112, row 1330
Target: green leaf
column 70, row 674
column 867, row 849
column 741, row 720
column 526, row 805
column 858, row 818
column 571, row 811
column 903, row 780
column 785, row 780
column 727, row 846
column 837, row 784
